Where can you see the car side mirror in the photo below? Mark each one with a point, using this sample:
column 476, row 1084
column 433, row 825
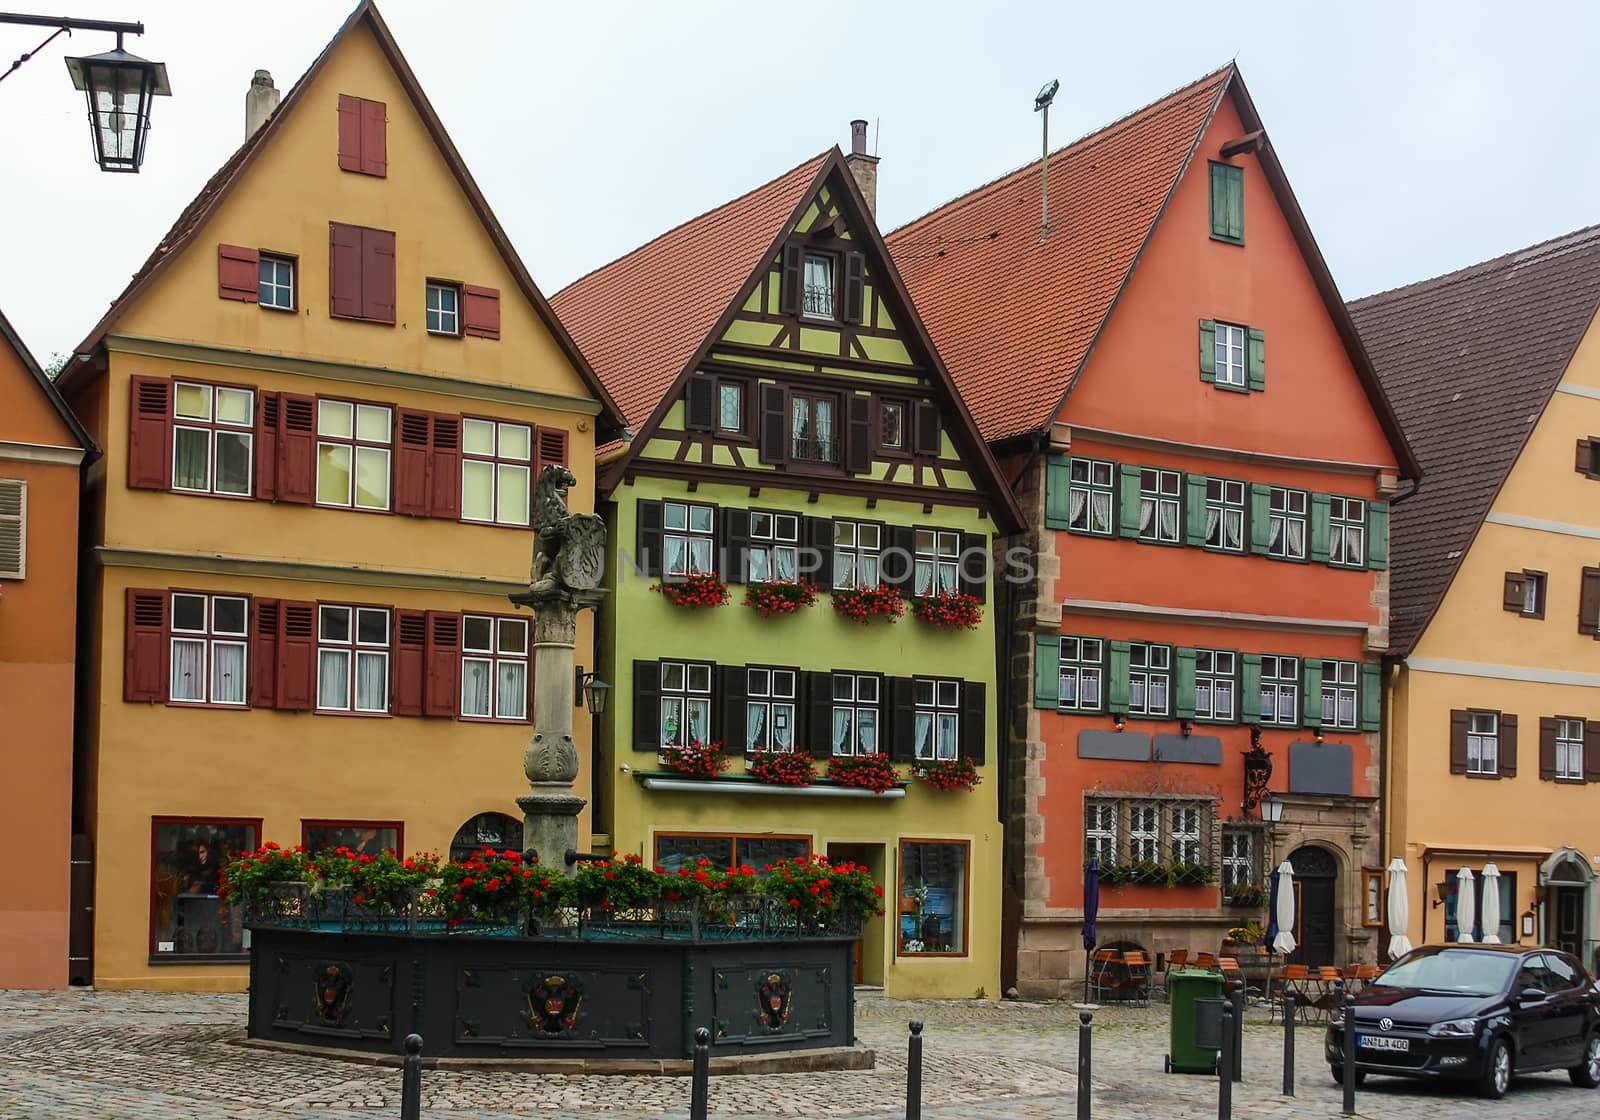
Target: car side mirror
column 1530, row 995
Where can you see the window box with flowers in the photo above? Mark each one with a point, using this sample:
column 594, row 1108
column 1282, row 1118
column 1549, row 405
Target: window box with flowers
column 866, row 771
column 949, row 610
column 1245, row 897
column 700, row 589
column 780, row 596
column 697, row 760
column 869, row 604
column 782, row 769
column 948, row 774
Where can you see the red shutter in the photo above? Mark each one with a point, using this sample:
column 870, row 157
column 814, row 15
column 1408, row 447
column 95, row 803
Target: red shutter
column 266, row 450
column 144, row 667
column 446, row 464
column 238, row 273
column 297, row 448
column 377, row 275
column 552, row 448
column 442, row 680
column 411, row 463
column 408, row 667
column 349, row 133
column 149, row 433
column 480, row 311
column 344, row 271
column 264, row 653
column 374, row 141
column 297, row 656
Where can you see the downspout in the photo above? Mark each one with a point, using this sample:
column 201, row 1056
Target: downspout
column 1392, row 664
column 1005, row 652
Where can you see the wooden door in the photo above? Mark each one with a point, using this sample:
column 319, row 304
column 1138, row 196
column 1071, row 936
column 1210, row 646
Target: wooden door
column 1316, row 881
column 1569, row 920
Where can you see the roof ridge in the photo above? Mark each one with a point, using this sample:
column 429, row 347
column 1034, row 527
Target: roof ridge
column 763, row 185
column 1086, row 140
column 1471, row 271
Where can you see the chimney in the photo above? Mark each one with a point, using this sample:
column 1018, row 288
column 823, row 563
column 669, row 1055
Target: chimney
column 863, row 166
column 259, row 102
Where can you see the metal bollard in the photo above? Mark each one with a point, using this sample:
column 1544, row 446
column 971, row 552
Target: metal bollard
column 1238, row 1034
column 1085, row 1062
column 411, row 1080
column 1349, row 1050
column 914, row 1072
column 700, row 1078
column 1288, row 1044
column 1225, row 1065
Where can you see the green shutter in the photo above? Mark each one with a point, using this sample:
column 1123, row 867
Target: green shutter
column 1250, row 687
column 1195, row 496
column 1311, row 695
column 1320, row 529
column 1227, row 202
column 1208, row 350
column 1378, row 536
column 1117, row 686
column 1047, row 671
column 1128, row 500
column 1256, row 358
column 1260, row 517
column 1183, row 683
column 1057, row 492
column 1371, row 697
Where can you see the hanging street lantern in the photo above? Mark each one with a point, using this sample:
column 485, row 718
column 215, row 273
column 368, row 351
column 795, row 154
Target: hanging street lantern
column 119, row 87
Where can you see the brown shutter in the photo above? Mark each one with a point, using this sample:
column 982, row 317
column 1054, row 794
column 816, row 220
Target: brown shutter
column 974, row 722
column 1591, row 751
column 297, row 656
column 349, row 132
column 149, row 433
column 268, row 407
column 377, row 275
column 1585, row 458
column 818, row 729
column 442, row 682
column 238, row 273
column 699, row 403
column 408, row 670
column 899, row 570
column 1508, row 745
column 1458, row 741
column 1589, row 601
column 344, row 271
column 858, row 433
column 735, row 525
column 732, row 695
column 651, row 540
column 855, row 274
column 264, row 615
column 792, row 281
column 374, row 141
column 974, row 569
column 1514, row 588
column 145, row 646
column 773, row 424
column 647, row 706
column 1547, row 749
column 445, row 501
column 480, row 311
column 411, row 462
column 902, row 715
column 297, row 448
column 552, row 448
column 927, row 428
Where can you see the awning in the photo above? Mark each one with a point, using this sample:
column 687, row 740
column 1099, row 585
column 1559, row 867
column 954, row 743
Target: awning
column 1515, row 851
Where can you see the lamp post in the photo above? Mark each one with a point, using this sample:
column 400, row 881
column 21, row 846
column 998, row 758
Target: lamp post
column 118, row 86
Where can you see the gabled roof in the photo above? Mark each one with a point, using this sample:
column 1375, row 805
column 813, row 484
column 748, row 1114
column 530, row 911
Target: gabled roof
column 1017, row 318
column 648, row 318
column 195, row 215
column 9, row 336
column 1470, row 360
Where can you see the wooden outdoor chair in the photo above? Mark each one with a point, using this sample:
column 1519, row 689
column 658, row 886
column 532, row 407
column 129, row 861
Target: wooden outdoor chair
column 1329, row 981
column 1136, row 969
column 1105, row 974
column 1178, row 958
column 1232, row 974
column 1206, row 960
column 1292, row 980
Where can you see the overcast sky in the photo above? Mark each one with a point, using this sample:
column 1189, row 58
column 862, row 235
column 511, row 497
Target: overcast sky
column 1418, row 136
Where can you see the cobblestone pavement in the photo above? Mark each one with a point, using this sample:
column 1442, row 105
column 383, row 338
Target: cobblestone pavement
column 143, row 1056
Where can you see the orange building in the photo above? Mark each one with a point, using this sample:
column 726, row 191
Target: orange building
column 1206, row 459
column 43, row 449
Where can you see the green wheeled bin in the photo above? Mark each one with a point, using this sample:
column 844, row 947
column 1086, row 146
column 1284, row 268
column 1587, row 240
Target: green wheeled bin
column 1195, row 998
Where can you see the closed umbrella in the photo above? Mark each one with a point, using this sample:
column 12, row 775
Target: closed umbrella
column 1283, row 909
column 1399, row 909
column 1091, row 912
column 1491, row 904
column 1466, row 903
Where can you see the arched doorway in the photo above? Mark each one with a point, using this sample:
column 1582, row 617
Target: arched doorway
column 1568, row 880
column 1316, row 883
column 486, row 830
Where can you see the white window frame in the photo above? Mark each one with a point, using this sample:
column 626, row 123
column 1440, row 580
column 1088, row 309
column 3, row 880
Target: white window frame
column 1216, row 675
column 1225, row 502
column 1083, row 672
column 442, row 316
column 1239, row 866
column 694, row 532
column 691, row 693
column 1091, row 482
column 1347, row 532
column 1101, row 838
column 1144, row 832
column 937, row 561
column 509, row 455
column 725, row 386
column 774, row 546
column 500, row 653
column 213, row 427
column 360, row 447
column 1533, row 585
column 771, row 707
column 1283, row 684
column 1160, row 505
column 819, row 298
column 1230, row 355
column 1186, row 835
column 1341, row 694
column 1569, row 749
column 1149, row 671
column 272, row 292
column 855, row 560
column 856, row 697
column 1483, row 743
column 209, row 638
column 1287, row 507
column 938, row 718
column 355, row 651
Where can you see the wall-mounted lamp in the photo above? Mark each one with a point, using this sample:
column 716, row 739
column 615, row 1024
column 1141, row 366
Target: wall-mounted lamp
column 1185, row 728
column 1119, row 720
column 1271, row 809
column 1442, row 891
column 1317, row 734
column 589, row 690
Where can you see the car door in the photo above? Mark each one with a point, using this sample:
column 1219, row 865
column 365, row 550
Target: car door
column 1530, row 1017
column 1569, row 1018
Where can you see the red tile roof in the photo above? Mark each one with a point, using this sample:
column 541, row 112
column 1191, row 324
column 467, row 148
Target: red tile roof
column 1470, row 359
column 1015, row 317
column 679, row 284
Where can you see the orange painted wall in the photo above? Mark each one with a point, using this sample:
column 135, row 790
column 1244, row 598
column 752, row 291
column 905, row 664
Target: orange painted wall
column 37, row 618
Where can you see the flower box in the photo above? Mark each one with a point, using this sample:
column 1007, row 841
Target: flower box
column 780, row 596
column 948, row 774
column 866, row 605
column 868, row 771
column 949, row 610
column 782, row 769
column 697, row 760
column 703, row 589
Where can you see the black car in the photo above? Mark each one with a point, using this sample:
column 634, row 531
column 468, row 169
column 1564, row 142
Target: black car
column 1476, row 1012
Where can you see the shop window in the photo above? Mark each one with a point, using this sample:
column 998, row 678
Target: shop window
column 362, row 837
column 486, row 830
column 189, row 918
column 758, row 853
column 933, row 898
column 1508, row 908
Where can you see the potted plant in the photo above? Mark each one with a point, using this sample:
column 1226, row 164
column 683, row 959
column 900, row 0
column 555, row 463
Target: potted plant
column 698, row 589
column 1245, row 897
column 867, row 771
column 697, row 760
column 1190, row 875
column 948, row 773
column 949, row 610
column 782, row 769
column 866, row 605
column 780, row 596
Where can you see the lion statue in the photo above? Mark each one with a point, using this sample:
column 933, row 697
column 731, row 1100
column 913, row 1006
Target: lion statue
column 569, row 549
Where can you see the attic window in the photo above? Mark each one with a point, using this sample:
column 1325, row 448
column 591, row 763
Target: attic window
column 819, row 286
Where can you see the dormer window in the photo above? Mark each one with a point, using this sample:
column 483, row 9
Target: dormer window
column 819, row 286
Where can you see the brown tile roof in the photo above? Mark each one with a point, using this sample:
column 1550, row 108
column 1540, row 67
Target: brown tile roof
column 678, row 284
column 1470, row 359
column 194, row 216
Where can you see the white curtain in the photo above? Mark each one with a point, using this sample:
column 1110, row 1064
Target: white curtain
column 924, row 732
column 699, row 717
column 511, row 690
column 333, row 679
column 866, row 731
column 783, row 727
column 842, row 740
column 1297, row 538
column 1078, row 499
column 188, row 670
column 475, row 687
column 227, row 673
column 1147, row 515
column 924, row 577
column 1213, row 516
column 755, row 737
column 1169, row 521
column 372, row 682
column 191, row 450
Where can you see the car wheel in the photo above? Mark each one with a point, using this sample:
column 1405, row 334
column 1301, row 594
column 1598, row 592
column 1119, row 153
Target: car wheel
column 1586, row 1075
column 1338, row 1075
column 1496, row 1076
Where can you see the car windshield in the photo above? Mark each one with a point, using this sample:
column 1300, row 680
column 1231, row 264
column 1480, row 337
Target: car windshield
column 1471, row 974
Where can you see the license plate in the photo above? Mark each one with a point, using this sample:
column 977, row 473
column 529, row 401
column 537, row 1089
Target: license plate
column 1371, row 1042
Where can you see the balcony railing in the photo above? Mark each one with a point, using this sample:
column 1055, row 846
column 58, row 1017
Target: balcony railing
column 817, row 450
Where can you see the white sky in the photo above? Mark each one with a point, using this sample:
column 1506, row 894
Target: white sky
column 1419, row 136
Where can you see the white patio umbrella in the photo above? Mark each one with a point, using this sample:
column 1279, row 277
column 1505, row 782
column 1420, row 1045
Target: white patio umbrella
column 1399, row 909
column 1465, row 904
column 1285, row 942
column 1491, row 904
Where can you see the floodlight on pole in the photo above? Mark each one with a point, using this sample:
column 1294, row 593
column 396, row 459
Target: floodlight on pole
column 1041, row 104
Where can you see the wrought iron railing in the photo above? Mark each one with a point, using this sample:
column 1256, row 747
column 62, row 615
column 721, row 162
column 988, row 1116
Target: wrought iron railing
column 817, row 449
column 819, row 300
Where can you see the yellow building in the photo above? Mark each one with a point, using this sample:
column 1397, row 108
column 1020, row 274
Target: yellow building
column 1494, row 704
column 323, row 401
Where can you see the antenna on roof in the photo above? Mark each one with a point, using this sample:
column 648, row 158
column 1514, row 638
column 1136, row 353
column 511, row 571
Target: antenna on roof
column 1041, row 104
